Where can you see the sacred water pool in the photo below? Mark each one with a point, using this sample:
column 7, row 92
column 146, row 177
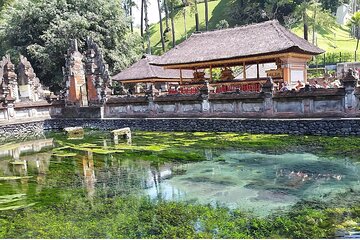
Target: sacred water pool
column 253, row 173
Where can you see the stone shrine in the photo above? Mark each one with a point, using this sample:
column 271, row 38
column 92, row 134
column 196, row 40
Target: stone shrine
column 86, row 76
column 8, row 85
column 30, row 88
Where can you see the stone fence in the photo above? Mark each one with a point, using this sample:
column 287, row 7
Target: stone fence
column 306, row 103
column 30, row 111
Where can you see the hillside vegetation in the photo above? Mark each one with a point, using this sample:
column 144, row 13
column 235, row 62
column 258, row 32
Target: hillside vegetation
column 333, row 40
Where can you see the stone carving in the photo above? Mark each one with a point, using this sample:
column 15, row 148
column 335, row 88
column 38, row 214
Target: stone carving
column 8, row 85
column 74, row 77
column 97, row 73
column 86, row 76
column 30, row 87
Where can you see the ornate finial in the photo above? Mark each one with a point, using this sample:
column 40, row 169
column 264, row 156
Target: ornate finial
column 74, row 45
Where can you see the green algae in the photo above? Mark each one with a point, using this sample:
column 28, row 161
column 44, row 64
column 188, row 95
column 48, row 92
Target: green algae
column 65, row 208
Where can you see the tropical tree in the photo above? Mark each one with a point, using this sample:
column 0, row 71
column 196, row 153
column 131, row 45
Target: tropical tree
column 197, row 28
column 128, row 5
column 206, row 15
column 161, row 26
column 172, row 4
column 41, row 30
column 142, row 18
column 302, row 9
column 354, row 24
column 147, row 28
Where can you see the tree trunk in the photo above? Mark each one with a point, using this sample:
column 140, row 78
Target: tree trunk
column 196, row 17
column 314, row 26
column 305, row 25
column 166, row 15
column 161, row 27
column 357, row 44
column 131, row 21
column 147, row 32
column 206, row 15
column 172, row 25
column 184, row 13
column 142, row 18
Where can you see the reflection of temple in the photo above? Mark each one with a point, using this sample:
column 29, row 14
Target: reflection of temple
column 28, row 167
column 89, row 173
column 16, row 149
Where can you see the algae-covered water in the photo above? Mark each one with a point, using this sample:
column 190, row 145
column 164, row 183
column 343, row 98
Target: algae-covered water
column 172, row 167
column 258, row 174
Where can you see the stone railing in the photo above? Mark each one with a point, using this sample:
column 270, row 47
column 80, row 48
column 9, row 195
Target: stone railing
column 30, row 111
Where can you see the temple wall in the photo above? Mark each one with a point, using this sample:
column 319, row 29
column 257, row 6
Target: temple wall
column 30, row 112
column 315, row 103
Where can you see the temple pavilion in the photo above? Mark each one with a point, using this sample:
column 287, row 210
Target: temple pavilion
column 141, row 76
column 243, row 47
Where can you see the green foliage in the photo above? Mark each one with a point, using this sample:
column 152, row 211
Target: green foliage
column 222, row 24
column 41, row 31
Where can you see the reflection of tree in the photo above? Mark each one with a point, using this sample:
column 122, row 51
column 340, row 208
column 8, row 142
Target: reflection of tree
column 121, row 177
column 155, row 172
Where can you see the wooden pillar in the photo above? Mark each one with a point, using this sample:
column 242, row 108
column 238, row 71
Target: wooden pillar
column 244, row 70
column 211, row 79
column 181, row 80
column 257, row 71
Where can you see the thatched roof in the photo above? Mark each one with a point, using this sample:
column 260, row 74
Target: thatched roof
column 142, row 70
column 251, row 40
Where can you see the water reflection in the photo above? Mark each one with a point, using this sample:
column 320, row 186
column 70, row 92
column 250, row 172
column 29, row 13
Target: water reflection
column 19, row 170
column 89, row 174
column 247, row 180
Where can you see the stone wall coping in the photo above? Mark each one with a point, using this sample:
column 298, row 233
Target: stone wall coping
column 235, row 96
column 312, row 93
column 42, row 103
column 178, row 98
column 223, row 118
column 24, row 121
column 114, row 100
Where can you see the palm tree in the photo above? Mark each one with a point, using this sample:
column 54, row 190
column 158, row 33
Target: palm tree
column 355, row 25
column 161, row 27
column 142, row 18
column 166, row 9
column 172, row 24
column 196, row 16
column 147, row 30
column 184, row 15
column 206, row 15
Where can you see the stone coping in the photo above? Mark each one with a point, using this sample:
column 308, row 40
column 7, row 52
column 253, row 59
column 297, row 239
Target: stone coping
column 23, row 121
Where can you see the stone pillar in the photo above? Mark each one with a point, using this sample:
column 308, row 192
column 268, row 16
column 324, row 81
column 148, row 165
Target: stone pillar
column 10, row 77
column 74, row 76
column 151, row 105
column 350, row 82
column 267, row 90
column 10, row 110
column 97, row 74
column 204, row 91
